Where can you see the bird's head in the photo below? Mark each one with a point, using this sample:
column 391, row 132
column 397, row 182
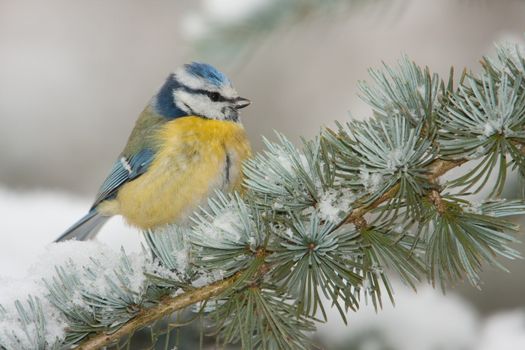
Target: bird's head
column 199, row 89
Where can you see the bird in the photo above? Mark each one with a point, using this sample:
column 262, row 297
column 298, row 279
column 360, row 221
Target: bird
column 187, row 143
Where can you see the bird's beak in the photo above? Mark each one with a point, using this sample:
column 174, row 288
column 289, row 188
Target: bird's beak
column 241, row 102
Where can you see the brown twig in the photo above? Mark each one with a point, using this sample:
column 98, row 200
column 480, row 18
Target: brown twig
column 171, row 304
column 166, row 307
column 436, row 169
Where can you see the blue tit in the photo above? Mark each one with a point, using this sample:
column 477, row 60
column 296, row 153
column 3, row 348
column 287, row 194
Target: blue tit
column 186, row 144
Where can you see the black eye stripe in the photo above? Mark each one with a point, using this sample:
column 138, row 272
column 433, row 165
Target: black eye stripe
column 218, row 98
column 215, row 96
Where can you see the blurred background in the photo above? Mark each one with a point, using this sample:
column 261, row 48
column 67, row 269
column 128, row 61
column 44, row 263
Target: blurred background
column 74, row 75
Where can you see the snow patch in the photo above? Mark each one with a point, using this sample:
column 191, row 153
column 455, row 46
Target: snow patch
column 397, row 159
column 492, row 126
column 32, row 220
column 284, row 160
column 13, row 333
column 79, row 257
column 207, row 278
column 226, row 226
column 335, row 203
column 371, row 181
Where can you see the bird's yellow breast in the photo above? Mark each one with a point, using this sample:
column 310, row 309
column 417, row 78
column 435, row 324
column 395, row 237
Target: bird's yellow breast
column 195, row 156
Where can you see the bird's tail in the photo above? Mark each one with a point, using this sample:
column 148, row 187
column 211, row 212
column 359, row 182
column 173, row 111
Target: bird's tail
column 85, row 228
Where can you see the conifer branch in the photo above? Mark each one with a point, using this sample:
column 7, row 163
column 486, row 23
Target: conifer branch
column 168, row 305
column 437, row 169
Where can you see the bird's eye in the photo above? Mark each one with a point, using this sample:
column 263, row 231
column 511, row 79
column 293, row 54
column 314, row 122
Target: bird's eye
column 214, row 96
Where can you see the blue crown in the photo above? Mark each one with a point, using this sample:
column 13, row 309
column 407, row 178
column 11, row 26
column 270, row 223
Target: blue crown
column 207, row 72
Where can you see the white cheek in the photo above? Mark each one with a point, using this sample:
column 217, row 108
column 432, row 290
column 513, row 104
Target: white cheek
column 198, row 104
column 180, row 97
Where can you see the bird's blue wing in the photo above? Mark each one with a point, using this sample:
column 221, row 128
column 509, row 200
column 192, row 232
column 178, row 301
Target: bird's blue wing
column 125, row 169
